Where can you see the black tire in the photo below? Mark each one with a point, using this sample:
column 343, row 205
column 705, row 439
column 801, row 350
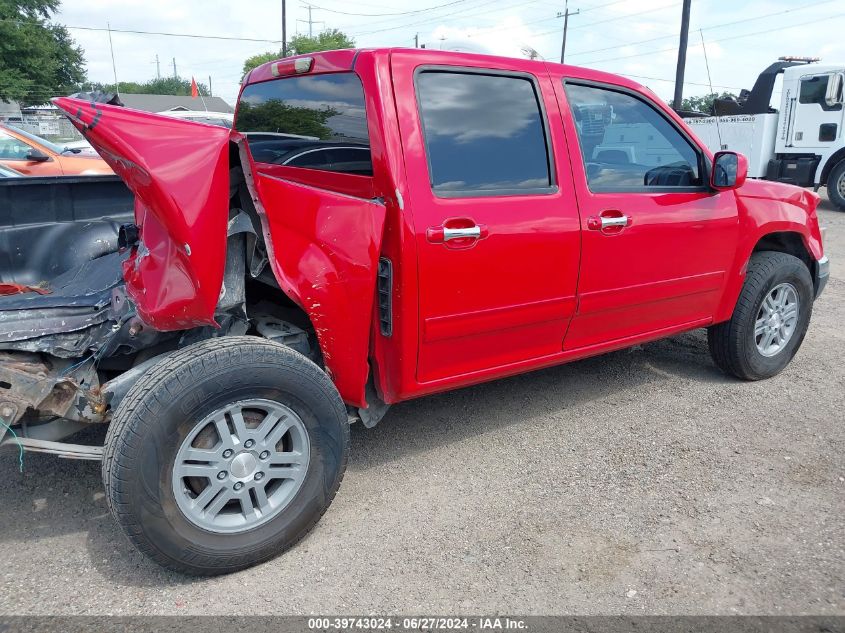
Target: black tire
column 159, row 411
column 835, row 188
column 732, row 343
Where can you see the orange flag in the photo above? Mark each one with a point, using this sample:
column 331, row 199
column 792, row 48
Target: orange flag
column 194, row 90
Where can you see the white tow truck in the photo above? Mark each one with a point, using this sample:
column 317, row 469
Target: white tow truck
column 802, row 142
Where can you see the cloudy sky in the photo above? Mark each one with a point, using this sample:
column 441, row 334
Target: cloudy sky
column 637, row 38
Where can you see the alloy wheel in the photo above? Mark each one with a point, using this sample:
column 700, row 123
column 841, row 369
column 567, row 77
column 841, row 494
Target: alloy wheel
column 777, row 319
column 241, row 465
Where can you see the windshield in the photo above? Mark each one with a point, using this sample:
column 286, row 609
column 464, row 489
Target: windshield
column 58, row 149
column 314, row 122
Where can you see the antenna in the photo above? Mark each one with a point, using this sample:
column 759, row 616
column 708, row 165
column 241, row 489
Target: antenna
column 199, row 92
column 113, row 66
column 710, row 83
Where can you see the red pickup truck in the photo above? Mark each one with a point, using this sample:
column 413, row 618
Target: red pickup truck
column 381, row 225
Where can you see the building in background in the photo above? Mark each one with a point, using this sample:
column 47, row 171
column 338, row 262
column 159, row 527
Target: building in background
column 160, row 103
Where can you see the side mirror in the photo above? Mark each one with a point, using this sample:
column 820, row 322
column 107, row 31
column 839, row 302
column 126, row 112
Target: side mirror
column 36, row 155
column 833, row 95
column 730, row 170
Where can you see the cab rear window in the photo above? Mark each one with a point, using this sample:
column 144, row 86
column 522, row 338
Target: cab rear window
column 311, row 122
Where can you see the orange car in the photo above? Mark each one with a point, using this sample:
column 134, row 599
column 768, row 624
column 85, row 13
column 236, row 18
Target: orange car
column 34, row 156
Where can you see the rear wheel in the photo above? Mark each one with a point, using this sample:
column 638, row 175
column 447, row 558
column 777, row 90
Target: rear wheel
column 836, row 185
column 225, row 454
column 769, row 321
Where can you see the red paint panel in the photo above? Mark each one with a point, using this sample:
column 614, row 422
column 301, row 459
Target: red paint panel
column 474, row 323
column 178, row 171
column 602, row 300
column 599, row 328
column 536, row 361
column 521, row 343
column 327, row 62
column 350, row 184
column 324, row 254
column 769, row 207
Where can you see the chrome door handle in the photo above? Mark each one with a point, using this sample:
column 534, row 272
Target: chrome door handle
column 622, row 220
column 465, row 236
column 456, row 234
column 600, row 223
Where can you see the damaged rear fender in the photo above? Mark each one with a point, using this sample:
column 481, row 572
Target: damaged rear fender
column 324, row 249
column 179, row 173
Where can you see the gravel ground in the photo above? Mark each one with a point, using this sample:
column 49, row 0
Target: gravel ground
column 643, row 481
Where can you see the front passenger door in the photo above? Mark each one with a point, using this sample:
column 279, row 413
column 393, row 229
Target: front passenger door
column 657, row 242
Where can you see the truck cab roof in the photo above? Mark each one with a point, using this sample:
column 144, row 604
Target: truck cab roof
column 346, row 60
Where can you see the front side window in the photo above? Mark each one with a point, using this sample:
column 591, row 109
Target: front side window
column 814, row 90
column 627, row 145
column 295, row 120
column 483, row 133
column 13, row 149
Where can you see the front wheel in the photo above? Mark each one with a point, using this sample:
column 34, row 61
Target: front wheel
column 225, row 454
column 769, row 321
column 836, row 185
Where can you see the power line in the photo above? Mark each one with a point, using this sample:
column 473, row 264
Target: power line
column 723, row 39
column 617, row 18
column 559, row 15
column 705, row 28
column 444, row 15
column 580, row 26
column 376, row 15
column 671, row 81
column 168, row 34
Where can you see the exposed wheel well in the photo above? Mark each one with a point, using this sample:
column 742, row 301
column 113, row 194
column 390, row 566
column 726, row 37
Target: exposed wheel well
column 790, row 243
column 832, row 162
column 264, row 303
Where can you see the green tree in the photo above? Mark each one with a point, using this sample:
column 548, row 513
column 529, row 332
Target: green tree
column 329, row 40
column 276, row 116
column 703, row 103
column 178, row 86
column 38, row 59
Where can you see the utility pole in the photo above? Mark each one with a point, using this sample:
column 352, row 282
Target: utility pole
column 417, row 40
column 210, row 94
column 682, row 56
column 284, row 29
column 566, row 13
column 175, row 74
column 158, row 68
column 310, row 21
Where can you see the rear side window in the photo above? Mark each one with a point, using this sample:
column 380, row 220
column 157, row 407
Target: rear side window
column 483, row 134
column 627, row 145
column 296, row 121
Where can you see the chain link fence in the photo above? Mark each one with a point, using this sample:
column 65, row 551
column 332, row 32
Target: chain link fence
column 52, row 128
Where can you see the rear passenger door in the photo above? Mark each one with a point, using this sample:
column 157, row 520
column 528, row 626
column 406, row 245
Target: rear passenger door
column 657, row 241
column 494, row 214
